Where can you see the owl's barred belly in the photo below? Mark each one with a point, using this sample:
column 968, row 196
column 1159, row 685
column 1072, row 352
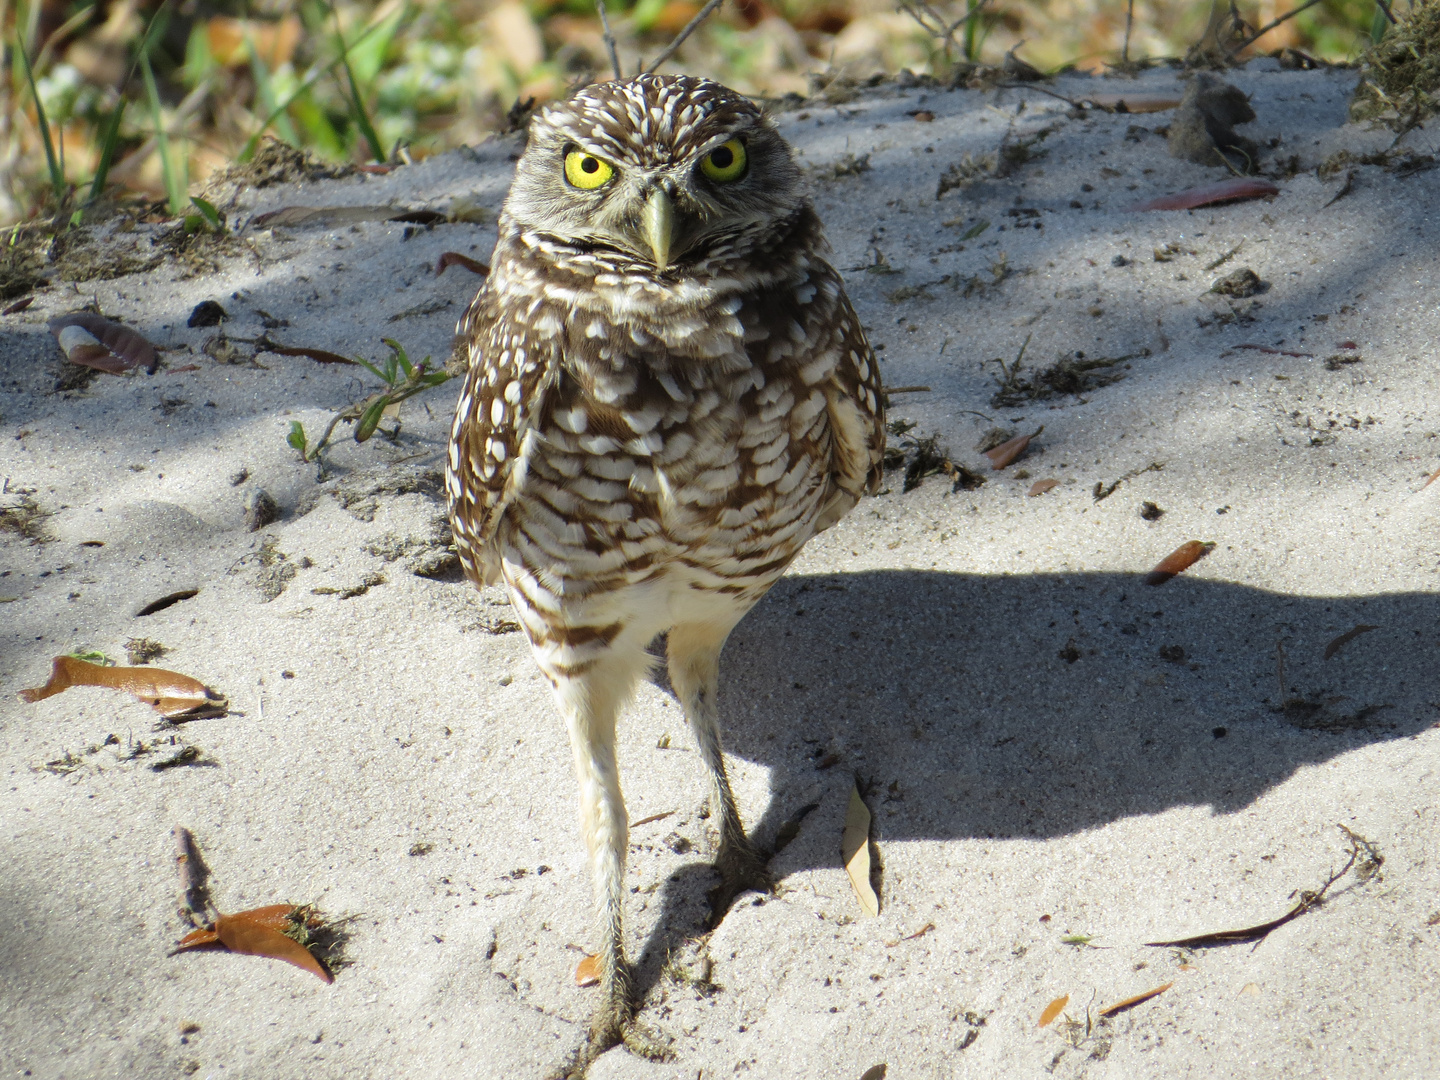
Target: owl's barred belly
column 655, row 540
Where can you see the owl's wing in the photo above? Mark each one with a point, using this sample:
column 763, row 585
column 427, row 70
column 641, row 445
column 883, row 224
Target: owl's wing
column 504, row 395
column 855, row 404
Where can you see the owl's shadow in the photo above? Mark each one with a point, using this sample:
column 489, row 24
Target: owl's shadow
column 1034, row 706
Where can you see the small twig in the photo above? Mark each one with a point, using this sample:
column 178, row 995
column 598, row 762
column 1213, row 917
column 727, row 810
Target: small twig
column 1280, row 667
column 1384, row 6
column 1041, row 90
column 1129, row 22
column 907, row 389
column 198, row 908
column 690, row 28
column 609, row 39
column 1271, row 26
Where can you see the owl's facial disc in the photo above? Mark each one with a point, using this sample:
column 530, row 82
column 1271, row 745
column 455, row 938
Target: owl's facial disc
column 660, row 170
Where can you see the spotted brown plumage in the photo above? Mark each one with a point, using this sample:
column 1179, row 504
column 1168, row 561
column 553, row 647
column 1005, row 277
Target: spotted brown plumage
column 669, row 394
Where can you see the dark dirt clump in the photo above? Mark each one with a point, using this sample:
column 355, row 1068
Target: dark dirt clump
column 1203, row 130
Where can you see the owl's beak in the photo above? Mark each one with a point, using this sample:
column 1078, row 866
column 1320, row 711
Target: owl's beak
column 658, row 224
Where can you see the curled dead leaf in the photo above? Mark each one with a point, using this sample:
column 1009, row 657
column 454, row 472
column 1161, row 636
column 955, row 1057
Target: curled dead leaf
column 94, row 341
column 1007, row 452
column 454, row 258
column 264, row 931
column 18, row 306
column 172, row 695
column 1179, row 560
column 1040, row 487
column 1131, row 1002
column 1053, row 1010
column 1232, row 190
column 855, row 852
column 587, row 971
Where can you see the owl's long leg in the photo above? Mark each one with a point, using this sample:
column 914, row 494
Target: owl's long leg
column 694, row 654
column 590, row 685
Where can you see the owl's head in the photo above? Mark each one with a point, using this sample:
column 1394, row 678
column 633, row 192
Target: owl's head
column 660, row 169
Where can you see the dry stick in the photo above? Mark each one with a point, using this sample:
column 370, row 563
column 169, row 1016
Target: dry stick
column 609, row 39
column 1271, row 26
column 1384, row 6
column 690, row 28
column 1129, row 22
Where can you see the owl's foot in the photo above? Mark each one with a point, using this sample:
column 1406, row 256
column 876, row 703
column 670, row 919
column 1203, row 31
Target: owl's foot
column 741, row 870
column 614, row 1024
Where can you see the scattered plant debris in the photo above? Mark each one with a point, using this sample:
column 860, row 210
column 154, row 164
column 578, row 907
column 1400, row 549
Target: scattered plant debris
column 143, row 651
column 1072, row 373
column 1178, row 561
column 172, row 695
column 924, row 457
column 21, row 514
column 855, row 853
column 1131, row 1002
column 1150, row 512
column 94, row 341
column 1103, row 491
column 1366, row 860
column 1269, row 350
column 1400, row 73
column 1239, row 284
column 1232, row 190
column 911, row 937
column 1344, row 639
column 1053, row 1010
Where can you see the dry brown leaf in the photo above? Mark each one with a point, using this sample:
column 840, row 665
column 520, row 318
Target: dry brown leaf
column 94, row 341
column 1053, row 1010
column 875, row 1072
column 320, row 356
column 1040, row 487
column 1134, row 103
column 232, row 40
column 1179, row 560
column 855, row 850
column 1249, row 990
column 1131, row 1002
column 171, row 694
column 1007, row 452
column 454, row 258
column 652, row 817
column 1240, row 187
column 1347, row 637
column 587, row 971
column 18, row 306
column 1432, row 478
column 260, row 932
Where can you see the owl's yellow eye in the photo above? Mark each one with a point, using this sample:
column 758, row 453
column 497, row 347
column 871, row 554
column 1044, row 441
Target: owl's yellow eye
column 725, row 163
column 586, row 171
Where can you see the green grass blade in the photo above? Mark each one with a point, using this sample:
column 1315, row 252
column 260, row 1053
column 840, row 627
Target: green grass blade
column 362, row 118
column 174, row 183
column 107, row 152
column 57, row 174
column 265, row 90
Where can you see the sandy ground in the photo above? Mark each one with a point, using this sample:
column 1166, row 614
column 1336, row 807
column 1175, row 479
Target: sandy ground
column 1052, row 749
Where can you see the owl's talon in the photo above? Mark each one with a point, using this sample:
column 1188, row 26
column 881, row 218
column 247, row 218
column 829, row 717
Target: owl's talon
column 614, row 1024
column 742, row 869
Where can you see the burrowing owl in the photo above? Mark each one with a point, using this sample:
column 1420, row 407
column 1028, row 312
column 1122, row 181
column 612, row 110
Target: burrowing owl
column 669, row 394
